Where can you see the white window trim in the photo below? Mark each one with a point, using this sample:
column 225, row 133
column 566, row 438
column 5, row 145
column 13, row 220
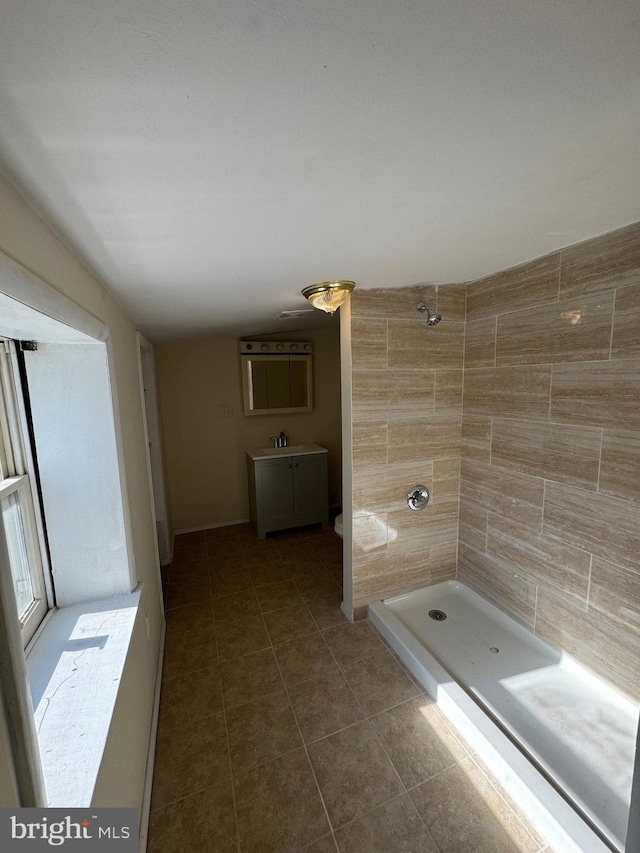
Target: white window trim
column 28, row 294
column 30, row 621
column 19, row 461
column 30, row 467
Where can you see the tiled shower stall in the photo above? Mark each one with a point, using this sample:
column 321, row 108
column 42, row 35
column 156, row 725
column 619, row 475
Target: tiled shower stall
column 520, row 412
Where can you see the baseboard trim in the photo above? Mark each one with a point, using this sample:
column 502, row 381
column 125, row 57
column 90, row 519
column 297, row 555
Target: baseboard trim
column 151, row 755
column 178, row 531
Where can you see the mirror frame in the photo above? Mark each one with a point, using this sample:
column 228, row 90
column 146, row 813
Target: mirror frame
column 247, row 382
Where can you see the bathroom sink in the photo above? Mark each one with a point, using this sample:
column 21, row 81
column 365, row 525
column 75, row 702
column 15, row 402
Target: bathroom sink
column 286, row 451
column 291, row 450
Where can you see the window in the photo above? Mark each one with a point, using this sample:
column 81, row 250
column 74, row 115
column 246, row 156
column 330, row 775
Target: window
column 18, row 518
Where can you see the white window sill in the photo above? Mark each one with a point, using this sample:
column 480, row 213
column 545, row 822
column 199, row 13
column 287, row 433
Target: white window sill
column 75, row 666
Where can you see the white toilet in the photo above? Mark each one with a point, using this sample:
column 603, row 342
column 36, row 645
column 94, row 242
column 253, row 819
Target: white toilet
column 338, row 525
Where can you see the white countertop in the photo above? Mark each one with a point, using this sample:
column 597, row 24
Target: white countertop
column 305, row 449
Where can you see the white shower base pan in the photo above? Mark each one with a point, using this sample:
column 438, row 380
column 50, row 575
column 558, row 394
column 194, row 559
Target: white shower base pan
column 574, row 733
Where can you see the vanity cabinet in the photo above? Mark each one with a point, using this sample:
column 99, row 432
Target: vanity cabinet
column 287, row 491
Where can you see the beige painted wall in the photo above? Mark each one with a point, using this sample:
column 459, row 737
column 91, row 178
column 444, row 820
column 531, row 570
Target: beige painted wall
column 550, row 491
column 406, row 403
column 28, row 240
column 205, row 453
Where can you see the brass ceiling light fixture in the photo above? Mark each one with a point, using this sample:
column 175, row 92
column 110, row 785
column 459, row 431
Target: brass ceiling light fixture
column 329, row 295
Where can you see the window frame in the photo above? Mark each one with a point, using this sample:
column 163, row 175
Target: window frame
column 18, row 475
column 31, row 619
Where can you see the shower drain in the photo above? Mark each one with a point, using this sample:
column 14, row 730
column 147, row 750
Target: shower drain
column 438, row 615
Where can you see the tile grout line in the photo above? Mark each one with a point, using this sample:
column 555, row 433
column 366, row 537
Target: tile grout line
column 306, row 752
column 231, row 773
column 366, row 718
column 272, row 647
column 226, row 728
column 375, row 734
column 600, row 460
column 613, row 321
column 224, row 703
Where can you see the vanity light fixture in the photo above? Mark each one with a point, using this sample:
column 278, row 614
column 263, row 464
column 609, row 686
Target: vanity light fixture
column 328, row 295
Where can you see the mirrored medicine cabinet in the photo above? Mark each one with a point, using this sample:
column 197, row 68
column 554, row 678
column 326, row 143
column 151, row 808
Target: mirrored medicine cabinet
column 277, row 377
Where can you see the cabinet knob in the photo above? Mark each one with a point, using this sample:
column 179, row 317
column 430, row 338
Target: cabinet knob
column 295, row 464
column 289, row 465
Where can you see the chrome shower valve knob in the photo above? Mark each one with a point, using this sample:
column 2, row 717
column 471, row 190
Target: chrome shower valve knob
column 418, row 498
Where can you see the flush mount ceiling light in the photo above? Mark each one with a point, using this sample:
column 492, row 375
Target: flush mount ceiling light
column 329, row 295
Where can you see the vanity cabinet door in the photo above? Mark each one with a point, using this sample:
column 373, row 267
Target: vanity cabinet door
column 276, row 489
column 310, row 487
column 289, row 491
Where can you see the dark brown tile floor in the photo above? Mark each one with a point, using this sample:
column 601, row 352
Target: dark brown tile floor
column 283, row 727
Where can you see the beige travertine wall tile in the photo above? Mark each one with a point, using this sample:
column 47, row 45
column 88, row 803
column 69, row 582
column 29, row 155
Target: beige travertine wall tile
column 392, row 393
column 413, row 344
column 625, row 342
column 620, row 465
column 605, row 262
column 599, row 644
column 473, row 524
column 392, row 302
column 541, row 558
column 405, row 299
column 498, row 584
column 366, row 304
column 601, row 394
column 385, row 488
column 382, row 572
column 451, row 301
column 446, row 480
column 407, row 416
column 513, row 495
column 568, row 454
column 421, row 438
column 369, row 440
column 508, row 392
column 521, row 424
column 408, row 541
column 369, row 533
column 444, row 557
column 448, row 393
column 606, row 527
column 581, row 433
column 368, row 343
column 615, row 592
column 480, row 343
column 436, row 524
column 526, row 286
column 572, row 330
column 476, row 439
column 384, row 575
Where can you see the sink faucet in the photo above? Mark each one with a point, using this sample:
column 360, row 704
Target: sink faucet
column 280, row 440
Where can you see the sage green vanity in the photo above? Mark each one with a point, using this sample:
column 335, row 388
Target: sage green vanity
column 287, row 487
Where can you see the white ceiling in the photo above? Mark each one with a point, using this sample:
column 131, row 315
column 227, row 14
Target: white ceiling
column 209, row 158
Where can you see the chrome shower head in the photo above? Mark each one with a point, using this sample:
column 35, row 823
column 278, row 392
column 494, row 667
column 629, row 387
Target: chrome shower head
column 433, row 318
